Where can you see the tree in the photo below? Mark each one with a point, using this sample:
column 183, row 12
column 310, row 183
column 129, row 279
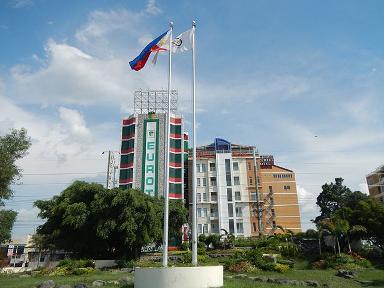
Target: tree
column 7, row 218
column 367, row 219
column 13, row 147
column 95, row 222
column 335, row 196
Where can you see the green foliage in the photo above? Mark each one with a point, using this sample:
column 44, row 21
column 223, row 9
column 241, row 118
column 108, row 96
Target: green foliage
column 82, row 263
column 184, row 246
column 95, row 222
column 289, row 249
column 7, row 218
column 122, row 263
column 240, row 267
column 335, row 196
column 13, row 147
column 186, row 258
column 281, row 268
column 342, row 261
column 68, row 267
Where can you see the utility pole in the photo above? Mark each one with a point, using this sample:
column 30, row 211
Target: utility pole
column 259, row 213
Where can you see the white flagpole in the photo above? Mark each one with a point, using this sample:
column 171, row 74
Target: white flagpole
column 194, row 220
column 166, row 188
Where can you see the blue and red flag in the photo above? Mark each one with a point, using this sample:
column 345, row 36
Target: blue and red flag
column 157, row 45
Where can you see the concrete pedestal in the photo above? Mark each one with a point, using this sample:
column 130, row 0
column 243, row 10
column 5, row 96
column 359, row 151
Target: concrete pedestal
column 179, row 277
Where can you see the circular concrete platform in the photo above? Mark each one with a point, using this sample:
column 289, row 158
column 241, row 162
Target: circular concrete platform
column 177, row 277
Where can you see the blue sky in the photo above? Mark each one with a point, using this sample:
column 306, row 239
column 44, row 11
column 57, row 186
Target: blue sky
column 274, row 74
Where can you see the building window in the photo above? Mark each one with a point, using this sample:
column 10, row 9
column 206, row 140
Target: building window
column 231, row 226
column 212, row 181
column 204, row 212
column 199, row 212
column 205, row 229
column 235, row 166
column 212, row 167
column 198, row 182
column 227, row 166
column 214, row 228
column 236, row 180
column 229, row 194
column 253, row 196
column 230, row 210
column 200, row 228
column 287, row 187
column 203, row 167
column 205, row 197
column 250, row 181
column 214, row 196
column 240, row 227
column 249, row 166
column 228, row 179
column 239, row 212
column 198, row 167
column 204, row 182
column 198, row 196
column 237, row 196
column 214, row 212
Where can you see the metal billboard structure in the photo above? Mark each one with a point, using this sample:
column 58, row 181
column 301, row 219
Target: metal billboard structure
column 146, row 101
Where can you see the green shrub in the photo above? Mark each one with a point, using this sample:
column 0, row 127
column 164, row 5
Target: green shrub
column 82, row 263
column 289, row 249
column 82, row 271
column 184, row 246
column 255, row 257
column 281, row 268
column 241, row 267
column 201, row 251
column 122, row 263
column 186, row 257
column 290, row 263
column 267, row 266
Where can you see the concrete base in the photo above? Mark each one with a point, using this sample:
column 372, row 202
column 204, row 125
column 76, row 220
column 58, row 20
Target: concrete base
column 179, row 277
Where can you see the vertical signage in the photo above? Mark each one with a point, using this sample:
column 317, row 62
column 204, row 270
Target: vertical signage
column 150, row 157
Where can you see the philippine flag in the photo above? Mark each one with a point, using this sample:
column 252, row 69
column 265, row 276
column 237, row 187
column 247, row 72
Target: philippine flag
column 157, row 45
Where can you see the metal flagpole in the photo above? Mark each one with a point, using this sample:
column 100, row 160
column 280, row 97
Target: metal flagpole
column 166, row 184
column 194, row 220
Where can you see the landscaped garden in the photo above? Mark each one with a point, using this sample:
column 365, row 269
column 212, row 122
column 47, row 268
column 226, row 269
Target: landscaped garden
column 275, row 261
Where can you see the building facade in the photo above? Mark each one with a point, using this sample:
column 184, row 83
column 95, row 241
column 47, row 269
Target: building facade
column 143, row 148
column 244, row 199
column 375, row 181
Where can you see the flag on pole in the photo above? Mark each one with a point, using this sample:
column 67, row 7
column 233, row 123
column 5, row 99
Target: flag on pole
column 157, row 45
column 183, row 42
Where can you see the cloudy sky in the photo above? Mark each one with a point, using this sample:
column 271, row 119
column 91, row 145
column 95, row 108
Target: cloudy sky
column 302, row 80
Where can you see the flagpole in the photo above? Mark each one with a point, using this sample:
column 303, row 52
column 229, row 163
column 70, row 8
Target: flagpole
column 166, row 184
column 194, row 219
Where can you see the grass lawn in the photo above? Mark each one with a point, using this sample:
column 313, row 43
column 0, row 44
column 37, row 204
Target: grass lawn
column 322, row 276
column 14, row 281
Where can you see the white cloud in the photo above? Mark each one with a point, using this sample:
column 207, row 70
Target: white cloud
column 152, row 8
column 22, row 3
column 74, row 123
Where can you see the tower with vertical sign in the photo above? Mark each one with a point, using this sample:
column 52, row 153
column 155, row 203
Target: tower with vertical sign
column 143, row 146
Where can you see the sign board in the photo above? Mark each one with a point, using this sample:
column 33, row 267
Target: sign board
column 150, row 157
column 10, row 250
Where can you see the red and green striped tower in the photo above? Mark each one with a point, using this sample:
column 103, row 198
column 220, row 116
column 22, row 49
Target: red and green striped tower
column 143, row 149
